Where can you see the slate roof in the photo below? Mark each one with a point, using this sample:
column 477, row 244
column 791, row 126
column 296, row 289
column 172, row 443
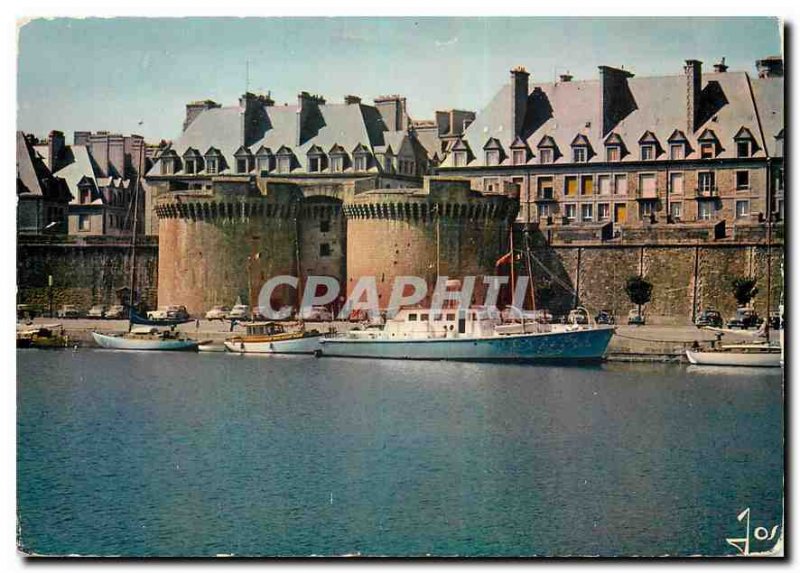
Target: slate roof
column 34, row 179
column 566, row 110
column 346, row 125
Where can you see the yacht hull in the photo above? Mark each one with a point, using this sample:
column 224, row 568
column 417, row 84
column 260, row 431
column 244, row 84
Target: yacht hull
column 300, row 345
column 586, row 345
column 767, row 358
column 122, row 343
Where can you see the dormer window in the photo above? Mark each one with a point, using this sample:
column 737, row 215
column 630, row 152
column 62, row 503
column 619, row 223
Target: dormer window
column 648, row 152
column 579, row 154
column 169, row 162
column 338, row 158
column 707, row 151
column 460, row 158
column 244, row 160
column 545, row 156
column 316, row 159
column 265, row 161
column 743, row 148
column 360, row 158
column 614, row 147
column 677, row 151
column 709, row 144
column 492, row 152
column 745, row 143
column 519, row 152
column 580, row 149
column 518, row 156
column 492, row 157
column 192, row 162
column 649, row 147
column 388, row 162
column 612, row 153
column 284, row 159
column 213, row 160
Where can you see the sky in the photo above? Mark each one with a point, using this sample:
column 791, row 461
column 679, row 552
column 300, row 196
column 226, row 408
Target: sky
column 135, row 75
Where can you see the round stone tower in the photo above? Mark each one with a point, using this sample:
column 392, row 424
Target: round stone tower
column 219, row 245
column 445, row 228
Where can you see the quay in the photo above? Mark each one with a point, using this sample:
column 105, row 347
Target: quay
column 649, row 343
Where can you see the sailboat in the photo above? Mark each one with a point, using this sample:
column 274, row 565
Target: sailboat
column 147, row 336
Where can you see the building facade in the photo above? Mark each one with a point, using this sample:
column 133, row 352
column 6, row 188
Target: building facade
column 692, row 156
column 42, row 198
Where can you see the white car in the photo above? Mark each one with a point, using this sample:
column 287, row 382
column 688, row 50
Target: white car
column 171, row 312
column 218, row 313
column 97, row 311
column 316, row 314
column 239, row 312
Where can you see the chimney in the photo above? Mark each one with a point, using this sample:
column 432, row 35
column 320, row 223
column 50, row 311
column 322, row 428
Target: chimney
column 195, row 108
column 720, row 66
column 116, row 153
column 352, row 100
column 98, row 148
column 393, row 111
column 615, row 99
column 81, row 137
column 55, row 150
column 694, row 86
column 564, row 78
column 519, row 98
column 309, row 118
column 770, row 67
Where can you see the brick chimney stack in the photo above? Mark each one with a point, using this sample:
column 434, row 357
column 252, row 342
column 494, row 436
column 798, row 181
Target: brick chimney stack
column 55, row 150
column 519, row 98
column 694, row 87
column 393, row 111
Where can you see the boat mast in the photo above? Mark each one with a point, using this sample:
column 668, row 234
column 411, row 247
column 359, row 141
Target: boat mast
column 438, row 232
column 133, row 235
column 769, row 248
column 528, row 262
column 511, row 263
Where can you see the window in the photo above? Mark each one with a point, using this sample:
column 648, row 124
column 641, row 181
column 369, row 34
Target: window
column 544, row 210
column 492, row 157
column 743, row 148
column 603, row 211
column 314, row 164
column 647, row 186
column 545, row 187
column 190, row 166
column 620, row 185
column 706, row 150
column 579, row 155
column 324, row 250
column 587, row 185
column 704, row 211
column 676, row 183
column 337, row 163
column 167, row 166
column 706, row 182
column 84, row 223
column 742, row 209
column 361, row 162
column 490, row 185
column 518, row 156
column 86, row 193
column 412, row 317
column 676, row 210
column 459, row 158
column 263, row 164
column 545, row 156
column 451, row 316
column 211, row 165
column 387, row 163
column 677, row 151
column 612, row 153
column 241, row 165
column 570, row 210
column 570, row 186
column 324, row 226
column 284, row 164
column 586, row 212
column 742, row 180
column 648, row 152
column 646, row 210
column 604, row 184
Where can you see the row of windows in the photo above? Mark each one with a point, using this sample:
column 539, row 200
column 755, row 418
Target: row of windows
column 705, row 211
column 282, row 164
column 581, row 153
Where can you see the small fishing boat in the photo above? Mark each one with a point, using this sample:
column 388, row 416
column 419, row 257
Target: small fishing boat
column 470, row 335
column 42, row 336
column 146, row 338
column 754, row 354
column 136, row 318
column 274, row 338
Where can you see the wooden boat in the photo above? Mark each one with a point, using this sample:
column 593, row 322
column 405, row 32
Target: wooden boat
column 274, row 338
column 145, row 338
column 754, row 355
column 42, row 336
column 137, row 318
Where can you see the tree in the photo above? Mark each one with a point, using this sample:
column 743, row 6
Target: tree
column 638, row 290
column 744, row 290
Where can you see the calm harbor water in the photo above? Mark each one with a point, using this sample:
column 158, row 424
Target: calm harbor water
column 139, row 454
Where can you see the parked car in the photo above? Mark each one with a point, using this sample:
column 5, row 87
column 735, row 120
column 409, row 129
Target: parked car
column 578, row 316
column 709, row 317
column 635, row 317
column 744, row 318
column 97, row 311
column 239, row 312
column 170, row 312
column 605, row 317
column 117, row 311
column 316, row 314
column 68, row 311
column 218, row 313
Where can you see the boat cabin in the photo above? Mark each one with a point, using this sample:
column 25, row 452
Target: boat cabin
column 264, row 328
column 444, row 323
